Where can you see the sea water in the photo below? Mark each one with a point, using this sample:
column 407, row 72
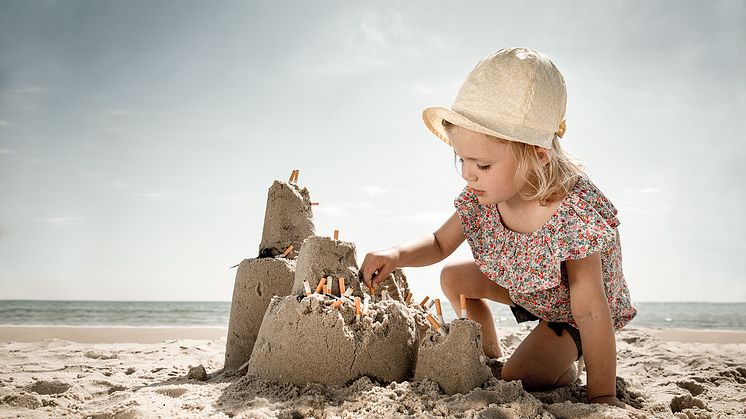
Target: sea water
column 684, row 315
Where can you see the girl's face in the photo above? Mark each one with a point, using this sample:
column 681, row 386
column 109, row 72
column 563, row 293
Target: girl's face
column 488, row 166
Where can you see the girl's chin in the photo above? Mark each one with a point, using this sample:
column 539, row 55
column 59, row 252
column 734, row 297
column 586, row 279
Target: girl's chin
column 485, row 200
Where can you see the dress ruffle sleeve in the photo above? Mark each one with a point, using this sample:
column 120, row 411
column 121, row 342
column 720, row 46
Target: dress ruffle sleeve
column 587, row 224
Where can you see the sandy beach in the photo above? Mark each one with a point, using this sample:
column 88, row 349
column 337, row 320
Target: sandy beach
column 130, row 372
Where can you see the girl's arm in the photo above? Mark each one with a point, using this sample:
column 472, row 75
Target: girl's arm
column 591, row 312
column 428, row 250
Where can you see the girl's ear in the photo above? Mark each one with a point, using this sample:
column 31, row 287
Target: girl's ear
column 542, row 154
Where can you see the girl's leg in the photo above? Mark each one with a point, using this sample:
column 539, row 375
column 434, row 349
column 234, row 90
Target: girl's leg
column 464, row 277
column 543, row 360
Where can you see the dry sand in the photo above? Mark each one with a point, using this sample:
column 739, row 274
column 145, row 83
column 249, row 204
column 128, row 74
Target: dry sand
column 53, row 378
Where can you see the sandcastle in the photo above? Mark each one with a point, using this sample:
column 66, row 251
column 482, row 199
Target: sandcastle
column 301, row 313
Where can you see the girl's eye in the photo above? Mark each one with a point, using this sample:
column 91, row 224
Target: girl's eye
column 483, row 167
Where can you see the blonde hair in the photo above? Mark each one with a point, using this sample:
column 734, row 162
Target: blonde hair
column 546, row 182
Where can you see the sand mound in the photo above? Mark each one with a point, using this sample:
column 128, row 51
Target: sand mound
column 456, row 361
column 323, row 256
column 306, row 341
column 257, row 281
column 288, row 219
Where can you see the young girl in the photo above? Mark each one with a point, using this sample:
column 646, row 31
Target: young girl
column 543, row 236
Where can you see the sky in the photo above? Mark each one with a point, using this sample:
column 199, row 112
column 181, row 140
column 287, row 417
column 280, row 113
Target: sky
column 138, row 139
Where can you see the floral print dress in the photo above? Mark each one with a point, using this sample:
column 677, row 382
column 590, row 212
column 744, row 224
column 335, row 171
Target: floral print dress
column 530, row 265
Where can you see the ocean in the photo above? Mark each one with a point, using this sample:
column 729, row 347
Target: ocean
column 684, row 315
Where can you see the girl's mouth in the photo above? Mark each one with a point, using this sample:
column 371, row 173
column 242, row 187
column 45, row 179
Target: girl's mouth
column 477, row 192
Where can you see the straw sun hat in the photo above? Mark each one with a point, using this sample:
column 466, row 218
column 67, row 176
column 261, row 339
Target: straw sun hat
column 516, row 94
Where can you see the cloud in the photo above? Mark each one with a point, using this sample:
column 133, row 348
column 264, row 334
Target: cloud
column 115, row 113
column 156, row 196
column 647, row 210
column 23, row 91
column 648, row 190
column 61, row 221
column 422, row 88
column 343, row 209
column 374, row 190
column 419, row 217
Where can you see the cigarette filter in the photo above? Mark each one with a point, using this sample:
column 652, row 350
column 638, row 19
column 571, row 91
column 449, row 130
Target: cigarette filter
column 408, row 298
column 348, row 292
column 287, row 251
column 292, row 176
column 337, row 303
column 307, row 287
column 422, row 303
column 322, row 283
column 463, row 306
column 341, row 285
column 435, row 325
column 357, row 308
column 430, row 304
column 336, row 234
column 365, row 306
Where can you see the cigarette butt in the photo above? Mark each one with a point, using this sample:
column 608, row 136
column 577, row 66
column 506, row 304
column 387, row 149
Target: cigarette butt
column 329, row 286
column 292, row 176
column 336, row 234
column 297, row 172
column 287, row 251
column 439, row 311
column 307, row 287
column 422, row 303
column 320, row 287
column 430, row 304
column 435, row 325
column 314, row 203
column 341, row 285
column 408, row 298
column 337, row 303
column 365, row 307
column 463, row 306
column 348, row 292
column 357, row 308
column 384, row 295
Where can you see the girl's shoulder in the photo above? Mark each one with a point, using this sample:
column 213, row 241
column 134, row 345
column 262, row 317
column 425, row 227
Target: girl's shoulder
column 587, row 201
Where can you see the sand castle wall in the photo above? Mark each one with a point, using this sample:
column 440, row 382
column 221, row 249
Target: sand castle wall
column 307, row 341
column 257, row 281
column 456, row 361
column 288, row 219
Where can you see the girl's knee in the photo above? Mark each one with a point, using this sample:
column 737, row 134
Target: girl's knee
column 529, row 380
column 449, row 278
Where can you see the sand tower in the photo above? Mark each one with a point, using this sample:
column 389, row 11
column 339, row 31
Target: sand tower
column 454, row 361
column 288, row 221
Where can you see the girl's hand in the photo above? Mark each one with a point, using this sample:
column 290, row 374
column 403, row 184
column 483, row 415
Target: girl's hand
column 378, row 265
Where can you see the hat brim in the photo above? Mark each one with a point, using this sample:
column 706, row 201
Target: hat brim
column 434, row 116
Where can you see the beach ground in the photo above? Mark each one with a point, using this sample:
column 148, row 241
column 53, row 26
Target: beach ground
column 130, row 372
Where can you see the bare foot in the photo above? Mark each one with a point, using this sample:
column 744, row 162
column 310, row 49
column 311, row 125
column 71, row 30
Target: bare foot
column 493, row 351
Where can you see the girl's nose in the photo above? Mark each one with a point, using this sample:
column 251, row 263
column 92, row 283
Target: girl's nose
column 467, row 173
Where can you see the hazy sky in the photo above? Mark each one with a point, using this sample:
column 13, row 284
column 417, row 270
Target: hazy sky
column 138, row 139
